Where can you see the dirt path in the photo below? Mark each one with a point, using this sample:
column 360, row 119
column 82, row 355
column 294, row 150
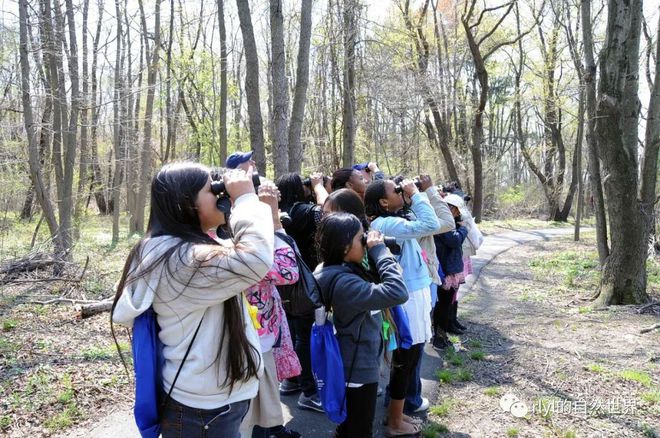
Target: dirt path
column 578, row 372
column 526, row 339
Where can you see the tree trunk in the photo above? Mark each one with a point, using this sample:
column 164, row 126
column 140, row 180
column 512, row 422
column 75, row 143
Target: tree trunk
column 97, row 184
column 117, row 130
column 36, row 170
column 279, row 116
column 300, row 94
column 252, row 85
column 348, row 101
column 623, row 279
column 223, row 82
column 137, row 222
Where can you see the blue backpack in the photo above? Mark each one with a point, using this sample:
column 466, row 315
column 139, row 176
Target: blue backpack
column 148, row 363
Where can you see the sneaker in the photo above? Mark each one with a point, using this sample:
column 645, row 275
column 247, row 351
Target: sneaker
column 312, row 402
column 289, row 387
column 283, row 432
column 441, row 342
column 424, row 406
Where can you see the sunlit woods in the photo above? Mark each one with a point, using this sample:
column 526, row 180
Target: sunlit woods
column 503, row 97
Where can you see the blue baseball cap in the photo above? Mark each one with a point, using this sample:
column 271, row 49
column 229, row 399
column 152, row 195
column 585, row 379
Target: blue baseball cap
column 237, row 158
column 361, row 166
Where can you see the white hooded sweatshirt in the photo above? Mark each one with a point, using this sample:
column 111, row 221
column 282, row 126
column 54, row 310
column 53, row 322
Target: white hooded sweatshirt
column 193, row 282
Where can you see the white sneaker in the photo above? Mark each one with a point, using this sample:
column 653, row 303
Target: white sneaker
column 424, row 406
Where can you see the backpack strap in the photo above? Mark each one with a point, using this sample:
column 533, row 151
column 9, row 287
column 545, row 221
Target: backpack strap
column 185, row 356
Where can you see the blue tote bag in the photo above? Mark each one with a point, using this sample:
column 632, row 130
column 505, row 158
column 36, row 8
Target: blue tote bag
column 147, row 362
column 328, row 370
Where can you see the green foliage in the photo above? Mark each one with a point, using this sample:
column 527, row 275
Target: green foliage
column 445, row 376
column 97, row 353
column 463, row 375
column 511, row 196
column 512, row 432
column 648, row 431
column 477, row 355
column 573, row 268
column 434, row 430
column 9, row 324
column 5, row 421
column 442, row 410
column 595, row 368
column 64, row 419
column 636, row 376
column 652, row 397
column 492, row 391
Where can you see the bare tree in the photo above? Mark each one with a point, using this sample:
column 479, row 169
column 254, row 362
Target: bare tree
column 36, row 171
column 223, row 81
column 280, row 112
column 300, row 93
column 137, row 221
column 593, row 162
column 350, row 14
column 252, row 85
column 630, row 196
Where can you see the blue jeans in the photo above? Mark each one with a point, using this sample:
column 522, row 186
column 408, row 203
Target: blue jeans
column 180, row 421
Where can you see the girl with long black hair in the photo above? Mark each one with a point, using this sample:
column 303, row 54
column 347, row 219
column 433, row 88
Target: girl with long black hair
column 194, row 285
column 356, row 296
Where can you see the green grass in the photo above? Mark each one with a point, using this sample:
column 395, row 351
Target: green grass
column 512, row 432
column 475, row 343
column 652, row 397
column 434, row 430
column 573, row 268
column 570, row 434
column 595, row 368
column 477, row 355
column 5, row 421
column 9, row 325
column 97, row 353
column 636, row 376
column 492, row 391
column 68, row 393
column 464, row 375
column 445, row 376
column 63, row 419
column 454, row 358
column 648, row 431
column 442, row 410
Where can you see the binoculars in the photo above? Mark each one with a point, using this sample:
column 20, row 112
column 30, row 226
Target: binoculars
column 390, row 243
column 218, row 187
column 398, row 189
column 223, row 203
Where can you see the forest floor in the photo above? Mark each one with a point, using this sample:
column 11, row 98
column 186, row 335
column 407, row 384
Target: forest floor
column 577, row 370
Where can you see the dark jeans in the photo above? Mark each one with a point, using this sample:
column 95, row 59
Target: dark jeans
column 361, row 410
column 404, row 363
column 180, row 421
column 301, row 332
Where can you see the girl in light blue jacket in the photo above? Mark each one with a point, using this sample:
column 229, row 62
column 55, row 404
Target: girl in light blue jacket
column 382, row 200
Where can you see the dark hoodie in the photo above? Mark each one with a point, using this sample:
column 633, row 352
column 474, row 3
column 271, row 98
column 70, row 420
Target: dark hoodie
column 352, row 299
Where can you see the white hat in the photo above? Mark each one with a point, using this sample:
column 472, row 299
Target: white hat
column 454, row 200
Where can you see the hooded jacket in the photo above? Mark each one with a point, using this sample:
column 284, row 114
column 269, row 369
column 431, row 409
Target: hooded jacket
column 353, row 299
column 194, row 283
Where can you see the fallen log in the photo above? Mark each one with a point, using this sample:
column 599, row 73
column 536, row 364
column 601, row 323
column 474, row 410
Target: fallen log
column 87, row 310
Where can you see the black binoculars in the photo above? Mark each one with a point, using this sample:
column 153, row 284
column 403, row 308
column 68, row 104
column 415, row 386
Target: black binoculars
column 218, row 187
column 398, row 189
column 390, row 243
